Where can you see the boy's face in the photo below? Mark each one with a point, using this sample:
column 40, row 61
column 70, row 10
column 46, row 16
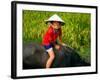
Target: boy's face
column 56, row 25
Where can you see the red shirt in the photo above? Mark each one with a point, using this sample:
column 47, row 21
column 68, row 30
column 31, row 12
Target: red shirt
column 51, row 36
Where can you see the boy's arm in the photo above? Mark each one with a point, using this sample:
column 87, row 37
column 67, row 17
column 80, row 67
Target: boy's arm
column 60, row 39
column 60, row 36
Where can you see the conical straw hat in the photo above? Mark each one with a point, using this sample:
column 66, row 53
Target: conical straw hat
column 55, row 17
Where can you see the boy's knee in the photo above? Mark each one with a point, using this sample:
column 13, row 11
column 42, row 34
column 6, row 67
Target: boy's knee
column 52, row 57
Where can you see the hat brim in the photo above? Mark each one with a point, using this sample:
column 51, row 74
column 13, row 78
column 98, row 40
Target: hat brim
column 62, row 23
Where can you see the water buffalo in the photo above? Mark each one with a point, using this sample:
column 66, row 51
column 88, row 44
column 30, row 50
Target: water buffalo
column 35, row 56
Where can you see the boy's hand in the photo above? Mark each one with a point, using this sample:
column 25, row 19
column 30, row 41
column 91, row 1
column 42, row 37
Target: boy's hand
column 57, row 47
column 63, row 44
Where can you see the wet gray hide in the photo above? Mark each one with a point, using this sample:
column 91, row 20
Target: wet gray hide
column 35, row 57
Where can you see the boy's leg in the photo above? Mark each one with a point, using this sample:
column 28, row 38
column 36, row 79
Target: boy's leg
column 51, row 58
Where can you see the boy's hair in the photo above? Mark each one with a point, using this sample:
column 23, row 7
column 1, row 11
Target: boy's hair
column 53, row 21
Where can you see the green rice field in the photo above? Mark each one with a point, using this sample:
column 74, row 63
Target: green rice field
column 76, row 31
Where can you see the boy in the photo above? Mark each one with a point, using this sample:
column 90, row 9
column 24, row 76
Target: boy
column 50, row 38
